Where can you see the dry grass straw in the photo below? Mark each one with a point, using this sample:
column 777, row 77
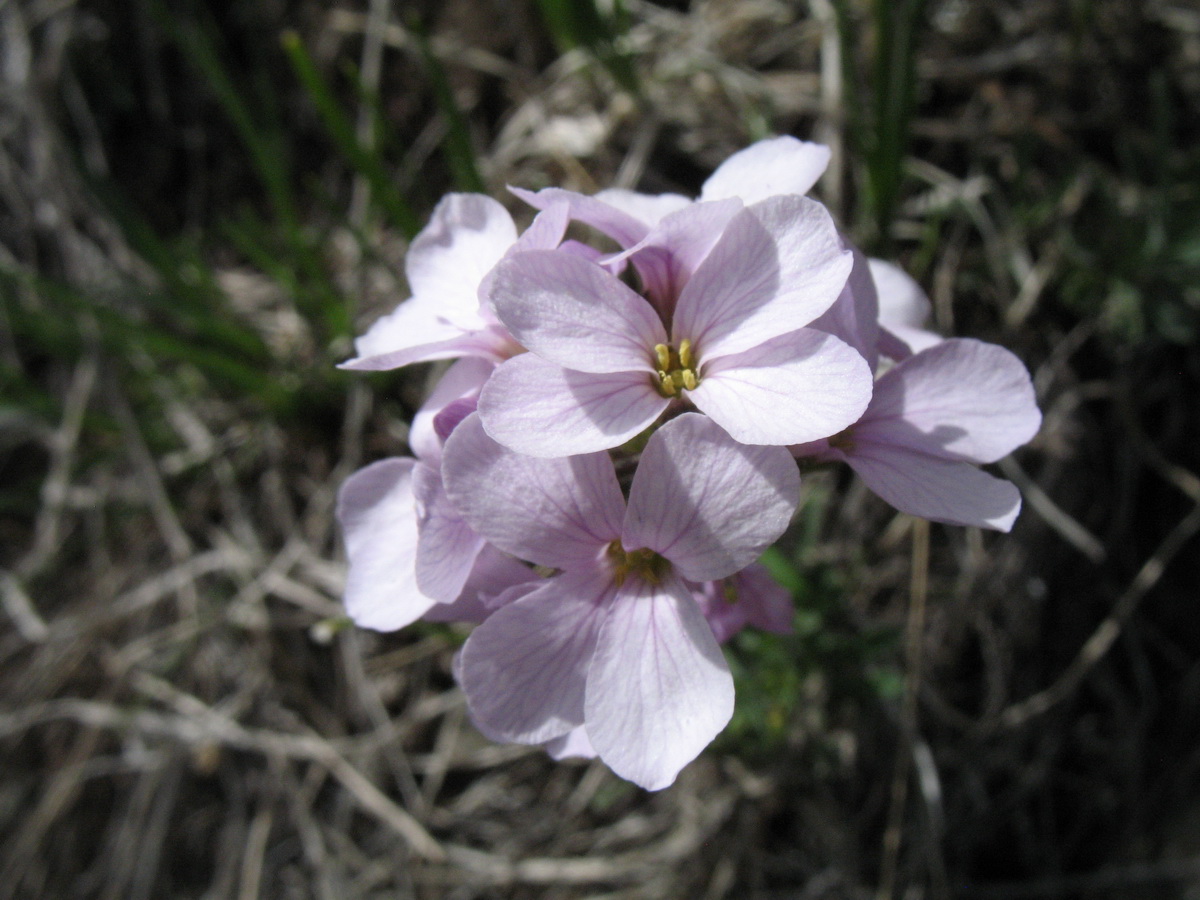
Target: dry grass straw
column 184, row 714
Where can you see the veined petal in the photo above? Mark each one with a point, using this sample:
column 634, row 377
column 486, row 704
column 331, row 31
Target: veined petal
column 446, row 543
column 494, row 574
column 943, row 490
column 447, row 261
column 461, row 381
column 960, row 399
column 707, row 503
column 553, row 512
column 546, row 232
column 414, row 323
column 778, row 265
column 524, row 670
column 854, row 316
column 675, row 247
column 605, row 218
column 899, row 342
column 573, row 313
column 658, row 690
column 379, row 525
column 646, row 208
column 901, row 300
column 796, row 388
column 540, row 409
column 491, row 342
column 782, row 165
column 572, row 745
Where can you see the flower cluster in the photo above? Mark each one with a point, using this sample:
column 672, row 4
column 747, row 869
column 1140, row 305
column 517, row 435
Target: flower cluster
column 618, row 441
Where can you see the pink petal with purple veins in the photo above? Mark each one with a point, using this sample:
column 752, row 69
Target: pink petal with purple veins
column 490, row 342
column 467, row 235
column 658, row 690
column 961, row 399
column 778, row 265
column 379, row 525
column 617, row 224
column 524, row 670
column 900, row 342
column 675, row 247
column 573, row 313
column 572, row 745
column 707, row 503
column 558, row 513
column 943, row 490
column 545, row 233
column 496, row 579
column 446, row 544
column 901, row 300
column 648, row 209
column 854, row 316
column 414, row 323
column 462, row 381
column 767, row 604
column 540, row 409
column 796, row 388
column 782, row 165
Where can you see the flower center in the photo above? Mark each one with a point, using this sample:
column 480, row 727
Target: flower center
column 643, row 562
column 676, row 368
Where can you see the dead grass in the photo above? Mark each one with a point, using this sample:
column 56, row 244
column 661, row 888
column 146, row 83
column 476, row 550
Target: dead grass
column 185, row 714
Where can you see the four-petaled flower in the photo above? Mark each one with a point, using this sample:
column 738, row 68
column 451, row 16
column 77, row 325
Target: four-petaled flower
column 616, row 642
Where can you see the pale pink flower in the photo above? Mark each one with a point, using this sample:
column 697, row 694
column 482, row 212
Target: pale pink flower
column 605, row 364
column 933, row 418
column 749, row 597
column 447, row 266
column 410, row 554
column 904, row 310
column 615, row 642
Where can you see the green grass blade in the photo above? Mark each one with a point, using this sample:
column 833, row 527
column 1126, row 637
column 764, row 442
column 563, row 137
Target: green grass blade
column 341, row 130
column 460, row 154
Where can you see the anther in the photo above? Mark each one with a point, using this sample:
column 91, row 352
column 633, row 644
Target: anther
column 663, row 354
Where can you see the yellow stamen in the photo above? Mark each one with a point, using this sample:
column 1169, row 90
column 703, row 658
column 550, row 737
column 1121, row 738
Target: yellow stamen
column 644, row 563
column 685, row 353
column 663, row 354
column 676, row 369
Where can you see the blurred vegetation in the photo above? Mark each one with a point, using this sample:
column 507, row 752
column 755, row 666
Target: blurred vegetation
column 202, row 204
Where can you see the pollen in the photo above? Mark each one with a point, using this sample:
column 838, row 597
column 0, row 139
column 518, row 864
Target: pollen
column 644, row 563
column 676, row 368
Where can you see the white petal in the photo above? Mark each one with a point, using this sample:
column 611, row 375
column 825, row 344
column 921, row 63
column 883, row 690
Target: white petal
column 658, row 690
column 446, row 263
column 960, row 399
column 707, row 503
column 446, row 544
column 574, row 313
column 778, row 265
column 553, row 512
column 646, row 208
column 524, row 670
column 797, row 388
column 901, row 300
column 782, row 165
column 943, row 490
column 379, row 525
column 540, row 409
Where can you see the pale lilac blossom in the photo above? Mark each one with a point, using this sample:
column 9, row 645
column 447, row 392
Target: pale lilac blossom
column 447, row 266
column 410, row 554
column 616, row 642
column 904, row 310
column 933, row 419
column 605, row 364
